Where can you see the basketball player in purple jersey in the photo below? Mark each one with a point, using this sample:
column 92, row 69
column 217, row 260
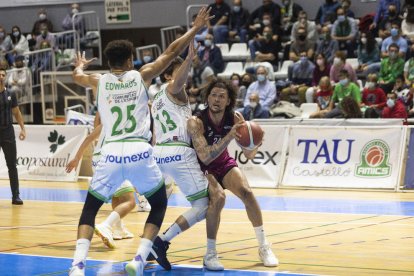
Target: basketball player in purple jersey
column 213, row 126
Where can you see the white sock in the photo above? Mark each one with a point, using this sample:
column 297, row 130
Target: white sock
column 81, row 251
column 118, row 224
column 261, row 238
column 171, row 232
column 144, row 248
column 112, row 219
column 211, row 245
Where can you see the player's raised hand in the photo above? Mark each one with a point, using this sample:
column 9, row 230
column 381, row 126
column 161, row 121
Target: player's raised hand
column 81, row 61
column 192, row 51
column 72, row 165
column 203, row 17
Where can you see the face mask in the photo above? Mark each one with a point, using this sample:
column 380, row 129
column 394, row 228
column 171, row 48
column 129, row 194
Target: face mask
column 193, row 106
column 261, row 78
column 236, row 9
column 320, row 62
column 75, row 11
column 245, row 83
column 364, row 40
column 325, row 36
column 390, row 103
column 235, row 82
column 42, row 16
column 207, row 43
column 266, row 22
column 158, row 80
column 44, row 33
column 16, row 34
column 302, row 37
column 147, row 59
column 394, row 32
column 370, row 85
column 337, row 61
column 343, row 82
column 392, row 13
column 267, row 36
column 303, row 60
column 393, row 55
column 341, row 18
column 253, row 104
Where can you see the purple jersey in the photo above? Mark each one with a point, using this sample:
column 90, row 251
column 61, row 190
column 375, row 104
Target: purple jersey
column 213, row 134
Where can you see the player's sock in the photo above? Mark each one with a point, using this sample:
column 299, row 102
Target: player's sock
column 173, row 231
column 211, row 245
column 81, row 252
column 112, row 219
column 118, row 224
column 261, row 238
column 144, row 248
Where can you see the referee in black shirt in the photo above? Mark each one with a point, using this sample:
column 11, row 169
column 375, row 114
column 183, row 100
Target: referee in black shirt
column 8, row 106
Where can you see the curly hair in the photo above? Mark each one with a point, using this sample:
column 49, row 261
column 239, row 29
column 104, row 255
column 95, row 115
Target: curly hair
column 231, row 92
column 118, row 52
column 351, row 108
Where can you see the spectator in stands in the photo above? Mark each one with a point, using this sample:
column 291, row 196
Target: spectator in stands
column 201, row 76
column 256, row 16
column 42, row 20
column 403, row 91
column 340, row 64
column 263, row 87
column 322, row 97
column 395, row 108
column 254, row 110
column 154, row 89
column 19, row 42
column 265, row 48
column 290, row 13
column 368, row 53
column 382, row 11
column 195, row 104
column 310, row 26
column 301, row 79
column 343, row 89
column 211, row 56
column 350, row 108
column 146, row 58
column 326, row 13
column 244, row 84
column 239, row 17
column 4, row 64
column 373, row 98
column 326, row 45
column 394, row 38
column 5, row 46
column 386, row 23
column 322, row 69
column 45, row 36
column 265, row 22
column 346, row 5
column 219, row 24
column 409, row 68
column 70, row 23
column 391, row 67
column 300, row 45
column 42, row 61
column 344, row 30
column 235, row 80
column 407, row 25
column 19, row 79
column 64, row 56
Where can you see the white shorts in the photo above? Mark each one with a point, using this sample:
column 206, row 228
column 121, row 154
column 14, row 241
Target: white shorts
column 181, row 164
column 126, row 160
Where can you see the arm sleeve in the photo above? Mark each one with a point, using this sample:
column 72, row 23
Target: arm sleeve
column 13, row 100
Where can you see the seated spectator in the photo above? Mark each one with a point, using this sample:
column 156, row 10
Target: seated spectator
column 394, row 38
column 391, row 67
column 346, row 5
column 301, row 79
column 239, row 17
column 265, row 48
column 19, row 42
column 290, row 13
column 201, row 77
column 254, row 110
column 407, row 25
column 18, row 80
column 343, row 89
column 5, row 46
column 340, row 64
column 301, row 45
column 322, row 97
column 263, row 87
column 211, row 56
column 326, row 12
column 350, row 108
column 42, row 20
column 195, row 104
column 403, row 91
column 368, row 53
column 373, row 98
column 4, row 64
column 386, row 23
column 394, row 109
column 70, row 22
column 310, row 26
column 326, row 45
column 235, row 80
column 256, row 16
column 382, row 11
column 344, row 30
column 154, row 89
column 322, row 69
column 219, row 24
column 199, row 37
column 409, row 69
column 146, row 58
column 244, row 84
column 265, row 22
column 45, row 36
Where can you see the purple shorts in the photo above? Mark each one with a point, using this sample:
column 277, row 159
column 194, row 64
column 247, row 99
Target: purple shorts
column 220, row 170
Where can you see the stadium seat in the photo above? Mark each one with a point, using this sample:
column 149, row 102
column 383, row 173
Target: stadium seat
column 224, row 48
column 283, row 72
column 307, row 109
column 353, row 62
column 239, row 51
column 232, row 67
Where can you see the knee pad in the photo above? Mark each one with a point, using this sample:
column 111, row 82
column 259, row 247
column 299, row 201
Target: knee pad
column 158, row 202
column 197, row 212
column 90, row 209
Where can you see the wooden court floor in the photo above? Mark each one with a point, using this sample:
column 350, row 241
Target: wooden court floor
column 311, row 231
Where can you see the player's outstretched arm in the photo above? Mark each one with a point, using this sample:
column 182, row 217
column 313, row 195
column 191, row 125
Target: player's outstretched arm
column 80, row 77
column 153, row 69
column 207, row 153
column 73, row 164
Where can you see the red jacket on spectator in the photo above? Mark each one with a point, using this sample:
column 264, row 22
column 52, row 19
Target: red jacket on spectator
column 374, row 97
column 398, row 111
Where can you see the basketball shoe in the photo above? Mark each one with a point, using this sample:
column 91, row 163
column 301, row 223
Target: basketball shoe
column 136, row 266
column 211, row 261
column 160, row 248
column 105, row 233
column 143, row 205
column 77, row 270
column 122, row 232
column 266, row 256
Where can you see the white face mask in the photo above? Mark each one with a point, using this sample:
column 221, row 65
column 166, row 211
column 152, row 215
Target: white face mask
column 390, row 103
column 42, row 16
column 193, row 106
column 364, row 40
column 370, row 85
column 75, row 11
column 253, row 104
column 158, row 81
column 337, row 61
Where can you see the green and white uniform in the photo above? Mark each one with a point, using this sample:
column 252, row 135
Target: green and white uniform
column 126, row 154
column 173, row 152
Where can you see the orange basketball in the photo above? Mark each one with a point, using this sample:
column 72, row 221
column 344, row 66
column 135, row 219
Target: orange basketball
column 251, row 135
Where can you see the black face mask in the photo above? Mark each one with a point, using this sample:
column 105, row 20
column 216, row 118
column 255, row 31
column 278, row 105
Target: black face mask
column 245, row 83
column 392, row 13
column 302, row 37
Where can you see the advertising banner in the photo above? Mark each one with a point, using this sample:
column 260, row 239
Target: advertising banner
column 344, row 157
column 265, row 169
column 45, row 152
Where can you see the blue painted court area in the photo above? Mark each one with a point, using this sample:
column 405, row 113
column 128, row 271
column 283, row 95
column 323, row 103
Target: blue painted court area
column 43, row 265
column 267, row 203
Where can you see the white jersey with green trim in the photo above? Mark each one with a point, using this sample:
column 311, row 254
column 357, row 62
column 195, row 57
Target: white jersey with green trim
column 170, row 119
column 123, row 106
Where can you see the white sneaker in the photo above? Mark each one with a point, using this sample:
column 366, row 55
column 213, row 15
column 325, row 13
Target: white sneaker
column 77, row 270
column 266, row 255
column 105, row 233
column 143, row 205
column 135, row 267
column 122, row 232
column 211, row 261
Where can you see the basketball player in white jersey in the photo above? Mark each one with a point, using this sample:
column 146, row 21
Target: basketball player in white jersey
column 127, row 154
column 178, row 160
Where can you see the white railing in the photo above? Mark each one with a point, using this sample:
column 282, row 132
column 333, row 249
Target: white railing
column 154, row 48
column 168, row 35
column 190, row 11
column 19, row 81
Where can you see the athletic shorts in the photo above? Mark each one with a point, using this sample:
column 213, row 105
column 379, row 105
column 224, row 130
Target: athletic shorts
column 126, row 160
column 180, row 163
column 221, row 170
